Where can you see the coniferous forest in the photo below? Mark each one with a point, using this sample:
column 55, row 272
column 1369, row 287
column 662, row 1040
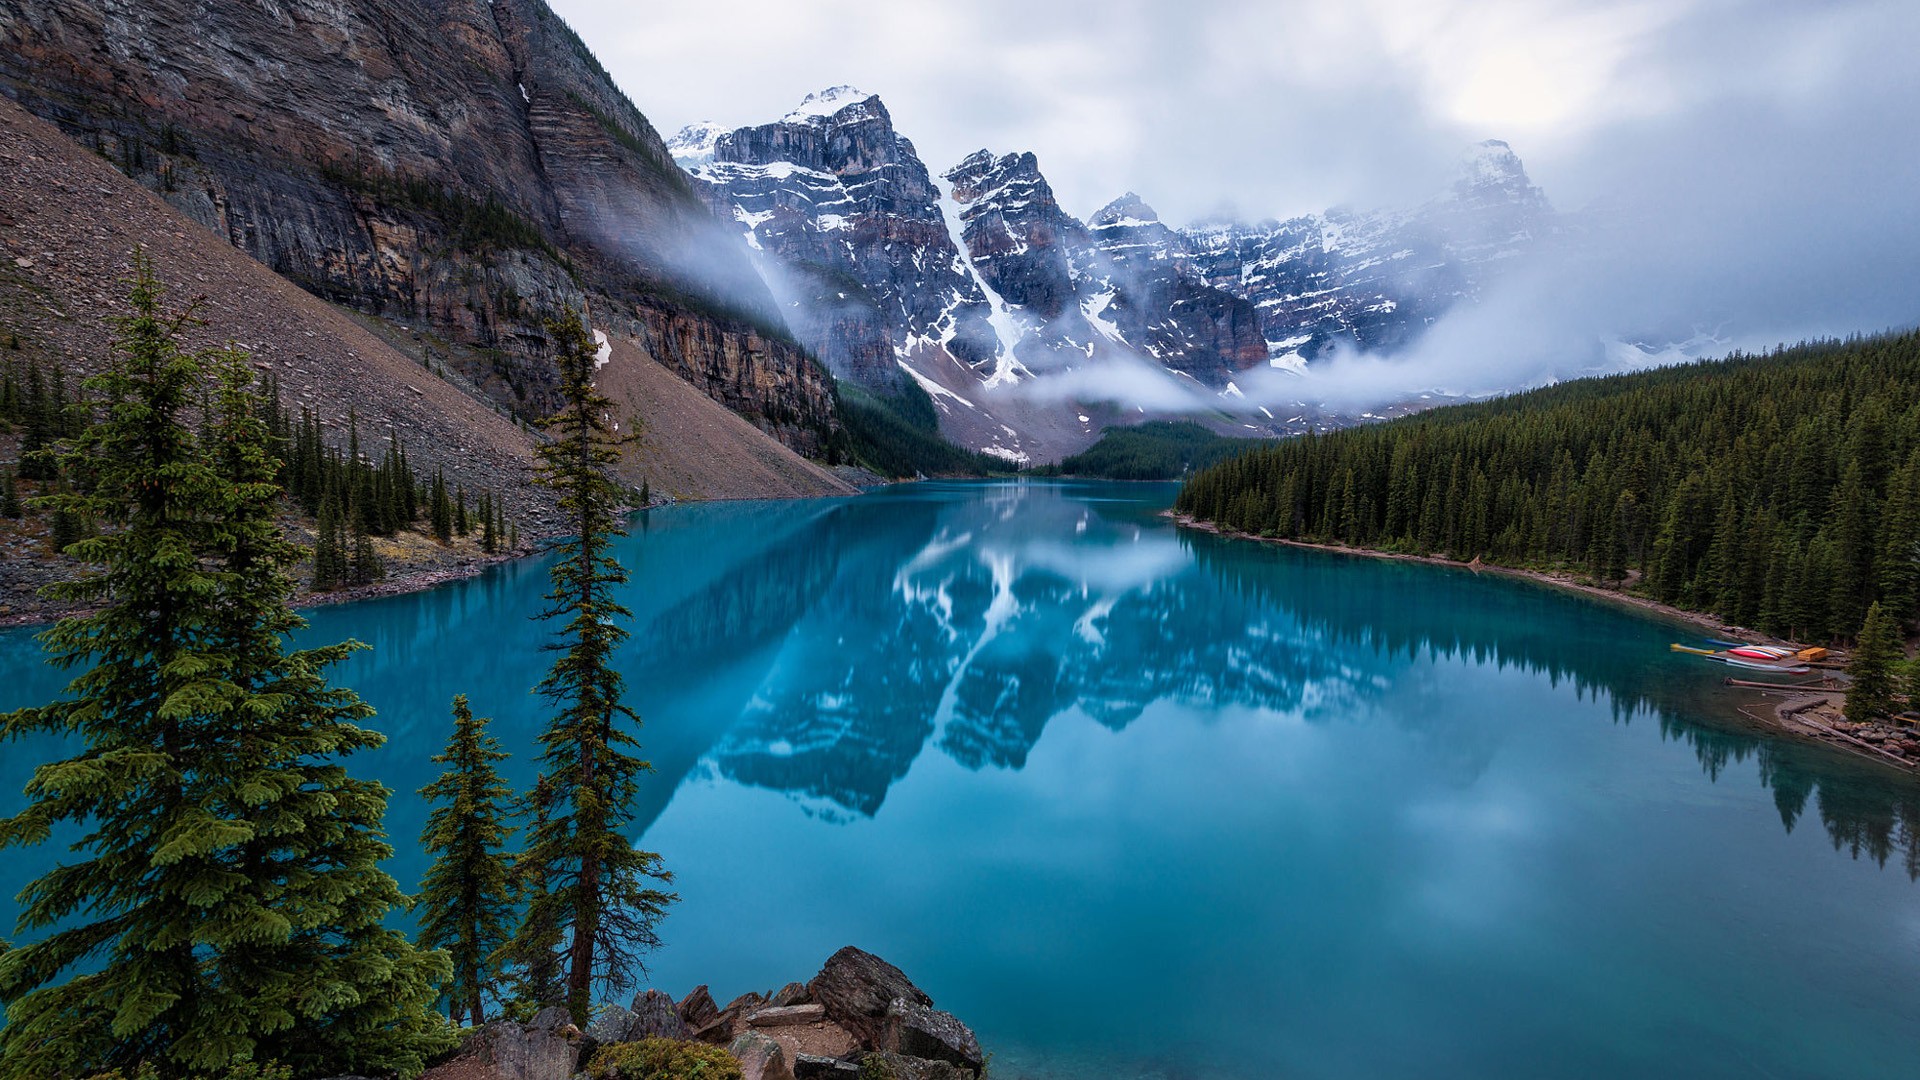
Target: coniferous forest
column 1779, row 491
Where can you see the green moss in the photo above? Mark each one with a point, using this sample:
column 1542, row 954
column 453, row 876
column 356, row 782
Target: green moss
column 663, row 1059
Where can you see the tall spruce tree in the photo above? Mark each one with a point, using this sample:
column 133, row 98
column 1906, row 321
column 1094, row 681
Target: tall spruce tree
column 225, row 905
column 441, row 509
column 10, row 498
column 1874, row 668
column 465, row 899
column 595, row 889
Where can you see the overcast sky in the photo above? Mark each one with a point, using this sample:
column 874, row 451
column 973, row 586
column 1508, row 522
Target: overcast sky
column 1766, row 153
column 1273, row 106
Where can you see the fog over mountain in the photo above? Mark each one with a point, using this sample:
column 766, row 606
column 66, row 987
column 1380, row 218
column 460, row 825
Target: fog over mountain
column 1743, row 171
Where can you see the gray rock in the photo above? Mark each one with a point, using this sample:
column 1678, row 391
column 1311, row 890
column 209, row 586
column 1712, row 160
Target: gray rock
column 913, row 1068
column 792, row 994
column 610, row 1025
column 918, row 1031
column 761, row 1058
column 856, row 988
column 783, row 1015
column 656, row 1016
column 729, row 1021
column 549, row 1048
column 697, row 1008
column 813, row 1067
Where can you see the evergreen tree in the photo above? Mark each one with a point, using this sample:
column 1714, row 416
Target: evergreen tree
column 301, row 945
column 1876, row 654
column 225, row 905
column 10, row 498
column 489, row 538
column 365, row 566
column 69, row 522
column 441, row 509
column 330, row 568
column 466, row 902
column 531, row 957
column 460, row 511
column 595, row 886
column 38, row 427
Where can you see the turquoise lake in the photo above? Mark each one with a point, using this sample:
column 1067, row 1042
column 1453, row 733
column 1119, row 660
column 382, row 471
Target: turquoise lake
column 1142, row 803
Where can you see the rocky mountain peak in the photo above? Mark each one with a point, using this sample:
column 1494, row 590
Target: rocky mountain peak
column 1007, row 179
column 1490, row 170
column 693, row 145
column 1127, row 210
column 823, row 105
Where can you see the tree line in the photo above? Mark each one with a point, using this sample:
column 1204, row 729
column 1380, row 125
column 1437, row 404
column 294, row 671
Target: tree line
column 223, row 913
column 1779, row 491
column 351, row 497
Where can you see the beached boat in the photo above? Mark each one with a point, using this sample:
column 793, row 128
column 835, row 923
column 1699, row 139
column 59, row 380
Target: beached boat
column 1753, row 657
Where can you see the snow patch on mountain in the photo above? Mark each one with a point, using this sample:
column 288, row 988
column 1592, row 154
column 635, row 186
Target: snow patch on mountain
column 825, row 103
column 693, row 146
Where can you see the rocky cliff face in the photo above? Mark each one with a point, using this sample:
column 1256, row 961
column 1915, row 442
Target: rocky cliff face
column 851, row 234
column 468, row 166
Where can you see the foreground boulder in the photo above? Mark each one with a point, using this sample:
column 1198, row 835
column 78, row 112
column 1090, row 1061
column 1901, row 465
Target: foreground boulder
column 548, row 1048
column 915, row 1030
column 761, row 1058
column 653, row 1015
column 856, row 988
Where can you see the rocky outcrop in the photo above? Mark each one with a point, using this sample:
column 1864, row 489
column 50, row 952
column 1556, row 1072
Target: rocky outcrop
column 652, row 1015
column 548, row 1048
column 856, row 988
column 468, row 167
column 915, row 1030
column 859, row 1007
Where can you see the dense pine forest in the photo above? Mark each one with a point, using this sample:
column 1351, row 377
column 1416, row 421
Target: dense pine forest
column 1780, row 491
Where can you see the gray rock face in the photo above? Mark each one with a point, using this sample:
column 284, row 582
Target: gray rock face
column 814, row 1067
column 915, row 1030
column 784, row 1015
column 856, row 988
column 656, row 1016
column 549, row 1048
column 913, row 1068
column 652, row 1015
column 761, row 1058
column 850, row 231
column 466, row 166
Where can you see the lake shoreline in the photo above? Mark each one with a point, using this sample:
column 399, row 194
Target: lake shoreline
column 1804, row 713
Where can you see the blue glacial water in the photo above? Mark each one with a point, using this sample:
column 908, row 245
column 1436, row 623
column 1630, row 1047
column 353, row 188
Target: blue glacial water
column 1139, row 803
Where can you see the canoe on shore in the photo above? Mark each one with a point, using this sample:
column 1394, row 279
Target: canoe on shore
column 1752, row 657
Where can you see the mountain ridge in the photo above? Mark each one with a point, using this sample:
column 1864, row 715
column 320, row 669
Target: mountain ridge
column 1082, row 310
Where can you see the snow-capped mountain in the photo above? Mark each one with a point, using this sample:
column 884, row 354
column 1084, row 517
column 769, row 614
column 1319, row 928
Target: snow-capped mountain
column 1375, row 279
column 976, row 291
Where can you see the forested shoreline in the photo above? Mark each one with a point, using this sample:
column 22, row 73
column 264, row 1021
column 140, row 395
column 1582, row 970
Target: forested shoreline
column 1779, row 491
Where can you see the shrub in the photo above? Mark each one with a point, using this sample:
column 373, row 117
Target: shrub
column 663, row 1059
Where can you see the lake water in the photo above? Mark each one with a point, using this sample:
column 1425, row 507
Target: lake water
column 1140, row 803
